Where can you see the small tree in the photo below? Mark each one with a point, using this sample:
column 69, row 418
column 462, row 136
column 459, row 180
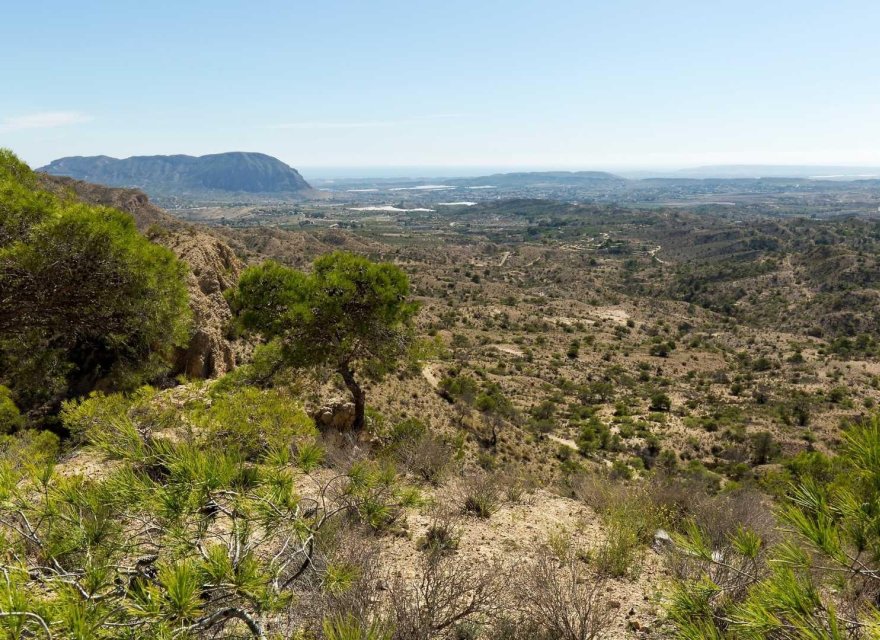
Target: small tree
column 660, row 402
column 350, row 314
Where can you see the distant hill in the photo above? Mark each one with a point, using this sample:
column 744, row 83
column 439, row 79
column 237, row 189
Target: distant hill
column 234, row 172
column 548, row 178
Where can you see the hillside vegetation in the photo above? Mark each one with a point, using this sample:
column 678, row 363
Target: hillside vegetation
column 512, row 421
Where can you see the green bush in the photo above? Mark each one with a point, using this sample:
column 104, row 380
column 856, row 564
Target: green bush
column 87, row 300
column 350, row 628
column 179, row 536
column 460, row 387
column 795, row 588
column 255, row 422
column 660, row 402
column 10, row 417
column 593, row 435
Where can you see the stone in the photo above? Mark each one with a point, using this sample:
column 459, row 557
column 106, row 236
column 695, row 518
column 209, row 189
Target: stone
column 336, row 413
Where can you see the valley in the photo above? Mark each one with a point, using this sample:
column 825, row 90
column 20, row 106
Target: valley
column 589, row 382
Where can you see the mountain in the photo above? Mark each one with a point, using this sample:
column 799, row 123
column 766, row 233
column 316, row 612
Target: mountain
column 543, row 178
column 234, row 172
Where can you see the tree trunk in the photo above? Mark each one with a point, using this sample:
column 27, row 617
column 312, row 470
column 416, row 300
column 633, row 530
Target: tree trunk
column 357, row 395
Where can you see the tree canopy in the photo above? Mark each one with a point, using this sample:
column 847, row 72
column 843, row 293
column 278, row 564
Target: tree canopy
column 85, row 300
column 349, row 313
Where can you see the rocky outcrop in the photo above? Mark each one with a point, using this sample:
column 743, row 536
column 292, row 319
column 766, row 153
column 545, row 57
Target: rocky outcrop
column 336, row 413
column 233, row 172
column 213, row 267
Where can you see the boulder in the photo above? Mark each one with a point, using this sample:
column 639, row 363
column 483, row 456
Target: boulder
column 336, row 413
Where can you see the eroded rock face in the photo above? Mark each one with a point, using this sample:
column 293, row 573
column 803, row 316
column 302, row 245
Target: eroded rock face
column 213, row 266
column 336, row 413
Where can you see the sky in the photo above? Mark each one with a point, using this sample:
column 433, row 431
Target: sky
column 383, row 83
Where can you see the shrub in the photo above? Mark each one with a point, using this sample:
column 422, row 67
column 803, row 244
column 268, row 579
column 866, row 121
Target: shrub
column 630, row 513
column 10, row 417
column 265, row 369
column 660, row 402
column 447, row 594
column 620, row 470
column 350, row 628
column 154, row 527
column 460, row 387
column 254, row 422
column 28, row 448
column 442, row 536
column 593, row 435
column 819, row 572
column 426, row 455
column 564, row 602
column 88, row 302
column 764, row 447
column 480, row 495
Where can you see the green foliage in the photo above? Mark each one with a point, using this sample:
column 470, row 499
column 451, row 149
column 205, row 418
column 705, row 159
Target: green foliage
column 620, row 470
column 764, row 447
column 481, row 496
column 376, row 496
column 461, row 387
column 350, row 628
column 348, row 314
column 594, row 435
column 84, row 298
column 10, row 417
column 493, row 400
column 630, row 518
column 27, row 449
column 265, row 369
column 828, row 566
column 660, row 402
column 179, row 537
column 256, row 422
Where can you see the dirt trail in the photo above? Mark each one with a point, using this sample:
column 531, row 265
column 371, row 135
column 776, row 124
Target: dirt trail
column 571, row 444
column 428, row 374
column 504, row 348
column 653, row 254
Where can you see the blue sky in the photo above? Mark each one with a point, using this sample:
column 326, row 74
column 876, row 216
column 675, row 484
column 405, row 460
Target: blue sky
column 623, row 83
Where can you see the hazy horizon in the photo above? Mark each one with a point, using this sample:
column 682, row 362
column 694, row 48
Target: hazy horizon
column 577, row 85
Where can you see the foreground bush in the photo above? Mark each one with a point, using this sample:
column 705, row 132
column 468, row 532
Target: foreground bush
column 85, row 300
column 819, row 582
column 194, row 527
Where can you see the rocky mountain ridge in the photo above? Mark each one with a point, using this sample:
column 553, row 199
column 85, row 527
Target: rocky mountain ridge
column 233, row 172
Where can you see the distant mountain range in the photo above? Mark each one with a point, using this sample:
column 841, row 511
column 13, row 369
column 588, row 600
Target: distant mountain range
column 233, row 172
column 543, row 178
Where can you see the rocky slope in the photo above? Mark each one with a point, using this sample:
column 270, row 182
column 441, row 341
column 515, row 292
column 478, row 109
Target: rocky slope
column 213, row 266
column 234, row 172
